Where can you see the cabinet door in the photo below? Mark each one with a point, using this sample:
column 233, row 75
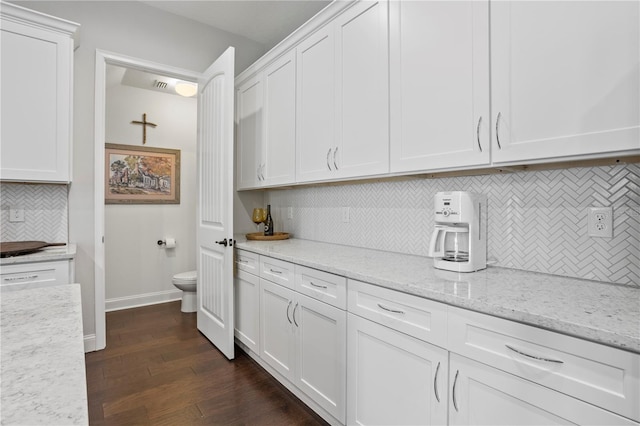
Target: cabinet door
column 565, row 79
column 280, row 121
column 393, row 378
column 249, row 132
column 321, row 353
column 482, row 395
column 439, row 65
column 247, row 309
column 37, row 76
column 276, row 327
column 362, row 103
column 315, row 141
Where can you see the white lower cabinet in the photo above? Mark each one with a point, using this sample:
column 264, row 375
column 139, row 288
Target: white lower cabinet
column 393, row 378
column 483, row 395
column 304, row 340
column 24, row 276
column 247, row 306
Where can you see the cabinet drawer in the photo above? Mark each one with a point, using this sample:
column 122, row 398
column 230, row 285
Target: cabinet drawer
column 33, row 275
column 598, row 374
column 277, row 271
column 326, row 287
column 413, row 315
column 247, row 261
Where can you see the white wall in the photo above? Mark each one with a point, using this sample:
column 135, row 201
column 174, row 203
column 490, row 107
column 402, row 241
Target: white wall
column 140, row 31
column 138, row 271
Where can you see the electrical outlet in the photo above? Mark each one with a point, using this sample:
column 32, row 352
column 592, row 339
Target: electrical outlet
column 600, row 222
column 345, row 214
column 289, row 212
column 16, row 214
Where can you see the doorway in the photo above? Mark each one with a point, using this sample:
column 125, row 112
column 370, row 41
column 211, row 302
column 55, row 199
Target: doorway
column 103, row 61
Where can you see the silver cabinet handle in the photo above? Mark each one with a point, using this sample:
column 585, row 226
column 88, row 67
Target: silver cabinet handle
column 258, row 173
column 28, row 277
column 317, row 285
column 334, row 158
column 557, row 361
column 242, row 261
column 294, row 315
column 329, row 165
column 288, row 306
column 262, row 171
column 275, row 271
column 435, row 382
column 390, row 310
column 478, row 133
column 453, row 392
column 498, row 129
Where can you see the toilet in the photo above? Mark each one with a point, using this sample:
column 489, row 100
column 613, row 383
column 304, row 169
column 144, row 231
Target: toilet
column 186, row 281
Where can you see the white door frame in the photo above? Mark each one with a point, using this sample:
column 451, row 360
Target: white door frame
column 102, row 59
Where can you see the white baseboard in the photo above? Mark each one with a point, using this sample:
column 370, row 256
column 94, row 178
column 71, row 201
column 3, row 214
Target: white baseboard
column 137, row 300
column 89, row 343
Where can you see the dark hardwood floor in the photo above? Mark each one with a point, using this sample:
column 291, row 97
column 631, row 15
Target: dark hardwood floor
column 158, row 369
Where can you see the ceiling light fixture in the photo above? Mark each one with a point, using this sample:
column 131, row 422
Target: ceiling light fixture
column 186, row 89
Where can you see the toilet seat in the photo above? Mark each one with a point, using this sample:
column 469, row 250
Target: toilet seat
column 189, row 277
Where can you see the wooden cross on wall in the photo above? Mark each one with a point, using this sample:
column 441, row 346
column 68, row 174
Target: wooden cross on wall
column 144, row 124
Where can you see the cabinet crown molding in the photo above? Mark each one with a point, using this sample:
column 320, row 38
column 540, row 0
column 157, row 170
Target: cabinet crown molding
column 24, row 16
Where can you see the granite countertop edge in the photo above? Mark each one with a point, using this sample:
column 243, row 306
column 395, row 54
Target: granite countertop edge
column 592, row 310
column 47, row 254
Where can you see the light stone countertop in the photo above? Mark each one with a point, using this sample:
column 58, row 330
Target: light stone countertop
column 42, row 371
column 592, row 310
column 45, row 255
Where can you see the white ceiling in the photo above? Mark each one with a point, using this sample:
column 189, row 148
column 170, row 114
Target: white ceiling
column 265, row 21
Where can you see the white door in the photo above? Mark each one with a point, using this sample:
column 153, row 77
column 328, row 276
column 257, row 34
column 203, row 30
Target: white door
column 215, row 203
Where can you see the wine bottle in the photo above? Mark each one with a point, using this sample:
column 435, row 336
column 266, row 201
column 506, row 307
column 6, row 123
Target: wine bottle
column 268, row 224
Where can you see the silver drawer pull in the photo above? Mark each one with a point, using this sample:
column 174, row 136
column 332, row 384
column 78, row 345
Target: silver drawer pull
column 390, row 310
column 453, row 391
column 317, row 285
column 539, row 358
column 275, row 271
column 28, row 277
column 242, row 261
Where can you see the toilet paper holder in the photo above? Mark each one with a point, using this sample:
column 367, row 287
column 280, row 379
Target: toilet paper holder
column 168, row 243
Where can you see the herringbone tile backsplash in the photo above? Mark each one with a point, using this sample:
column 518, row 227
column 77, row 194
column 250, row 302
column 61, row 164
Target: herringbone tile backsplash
column 45, row 212
column 537, row 221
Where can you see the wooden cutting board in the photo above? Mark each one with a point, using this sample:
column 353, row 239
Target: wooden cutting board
column 16, row 248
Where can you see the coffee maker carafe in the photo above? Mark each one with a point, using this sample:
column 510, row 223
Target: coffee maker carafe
column 459, row 237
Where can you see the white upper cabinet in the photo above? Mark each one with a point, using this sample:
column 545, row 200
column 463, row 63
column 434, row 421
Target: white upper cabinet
column 278, row 153
column 249, row 132
column 565, row 79
column 362, row 82
column 343, row 99
column 316, row 106
column 439, row 69
column 36, row 97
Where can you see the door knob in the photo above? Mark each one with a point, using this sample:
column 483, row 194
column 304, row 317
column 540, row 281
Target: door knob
column 222, row 243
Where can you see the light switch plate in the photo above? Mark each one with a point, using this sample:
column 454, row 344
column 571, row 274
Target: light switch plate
column 289, row 212
column 345, row 214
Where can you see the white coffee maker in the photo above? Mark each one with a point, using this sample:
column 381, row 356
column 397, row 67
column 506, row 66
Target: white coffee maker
column 459, row 240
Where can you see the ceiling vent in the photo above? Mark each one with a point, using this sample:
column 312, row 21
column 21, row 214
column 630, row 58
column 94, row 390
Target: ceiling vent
column 160, row 84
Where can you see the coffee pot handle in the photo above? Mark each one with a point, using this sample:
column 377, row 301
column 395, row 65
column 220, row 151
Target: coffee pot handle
column 434, row 240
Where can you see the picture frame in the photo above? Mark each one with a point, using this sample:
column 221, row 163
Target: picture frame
column 141, row 175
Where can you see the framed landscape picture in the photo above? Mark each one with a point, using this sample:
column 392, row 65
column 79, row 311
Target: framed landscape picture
column 141, row 175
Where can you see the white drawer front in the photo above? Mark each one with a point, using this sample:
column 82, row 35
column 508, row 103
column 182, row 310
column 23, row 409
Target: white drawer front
column 277, row 271
column 247, row 261
column 33, row 275
column 323, row 286
column 601, row 375
column 413, row 315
